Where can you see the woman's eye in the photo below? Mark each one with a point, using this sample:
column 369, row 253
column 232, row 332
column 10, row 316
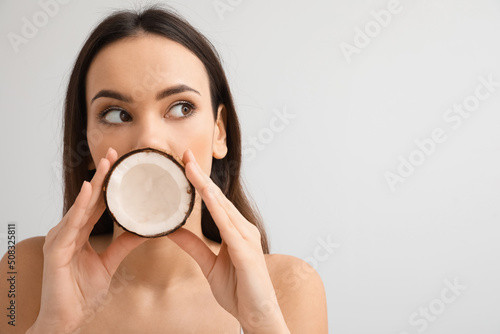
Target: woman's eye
column 182, row 109
column 116, row 116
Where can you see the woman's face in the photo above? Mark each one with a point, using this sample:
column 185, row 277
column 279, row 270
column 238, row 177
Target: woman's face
column 149, row 91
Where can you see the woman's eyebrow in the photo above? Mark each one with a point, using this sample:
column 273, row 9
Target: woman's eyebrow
column 164, row 93
column 175, row 90
column 112, row 94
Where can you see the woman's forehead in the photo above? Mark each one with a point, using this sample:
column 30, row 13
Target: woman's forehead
column 146, row 62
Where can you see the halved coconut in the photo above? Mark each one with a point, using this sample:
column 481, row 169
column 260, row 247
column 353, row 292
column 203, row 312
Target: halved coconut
column 147, row 193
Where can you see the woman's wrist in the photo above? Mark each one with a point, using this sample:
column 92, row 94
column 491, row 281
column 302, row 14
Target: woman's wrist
column 36, row 328
column 272, row 325
column 33, row 329
column 40, row 328
column 278, row 329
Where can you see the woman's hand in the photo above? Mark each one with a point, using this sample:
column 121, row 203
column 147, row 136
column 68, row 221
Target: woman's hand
column 75, row 278
column 238, row 274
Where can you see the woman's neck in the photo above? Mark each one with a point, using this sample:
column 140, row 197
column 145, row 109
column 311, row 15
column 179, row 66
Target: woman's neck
column 159, row 264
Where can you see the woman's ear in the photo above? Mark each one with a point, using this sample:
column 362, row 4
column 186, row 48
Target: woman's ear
column 219, row 146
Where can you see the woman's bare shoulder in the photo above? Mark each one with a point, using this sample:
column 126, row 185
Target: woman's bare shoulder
column 291, row 273
column 25, row 262
column 22, row 268
column 300, row 292
column 26, row 256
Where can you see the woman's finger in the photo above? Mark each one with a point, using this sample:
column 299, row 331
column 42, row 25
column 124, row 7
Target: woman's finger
column 71, row 225
column 217, row 203
column 119, row 249
column 229, row 207
column 86, row 224
column 97, row 205
column 98, row 180
column 195, row 247
column 78, row 228
column 209, row 192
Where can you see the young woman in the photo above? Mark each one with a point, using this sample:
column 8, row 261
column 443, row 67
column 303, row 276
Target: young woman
column 149, row 79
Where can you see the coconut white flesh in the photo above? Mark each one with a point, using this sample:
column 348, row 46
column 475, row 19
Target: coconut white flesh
column 148, row 194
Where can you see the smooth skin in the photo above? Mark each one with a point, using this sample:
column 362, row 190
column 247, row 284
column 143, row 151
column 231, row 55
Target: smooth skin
column 148, row 91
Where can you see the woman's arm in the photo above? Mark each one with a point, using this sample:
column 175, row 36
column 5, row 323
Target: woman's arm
column 75, row 278
column 238, row 275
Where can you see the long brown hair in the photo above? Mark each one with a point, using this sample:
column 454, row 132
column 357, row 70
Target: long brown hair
column 76, row 155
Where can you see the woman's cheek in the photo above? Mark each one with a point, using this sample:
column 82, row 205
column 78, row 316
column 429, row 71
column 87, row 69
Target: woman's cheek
column 202, row 151
column 200, row 142
column 99, row 146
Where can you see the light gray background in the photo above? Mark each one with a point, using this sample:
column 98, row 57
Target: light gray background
column 320, row 177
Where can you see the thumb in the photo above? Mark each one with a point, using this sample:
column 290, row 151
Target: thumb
column 195, row 247
column 119, row 249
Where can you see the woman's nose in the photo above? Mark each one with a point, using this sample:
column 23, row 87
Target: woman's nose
column 149, row 133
